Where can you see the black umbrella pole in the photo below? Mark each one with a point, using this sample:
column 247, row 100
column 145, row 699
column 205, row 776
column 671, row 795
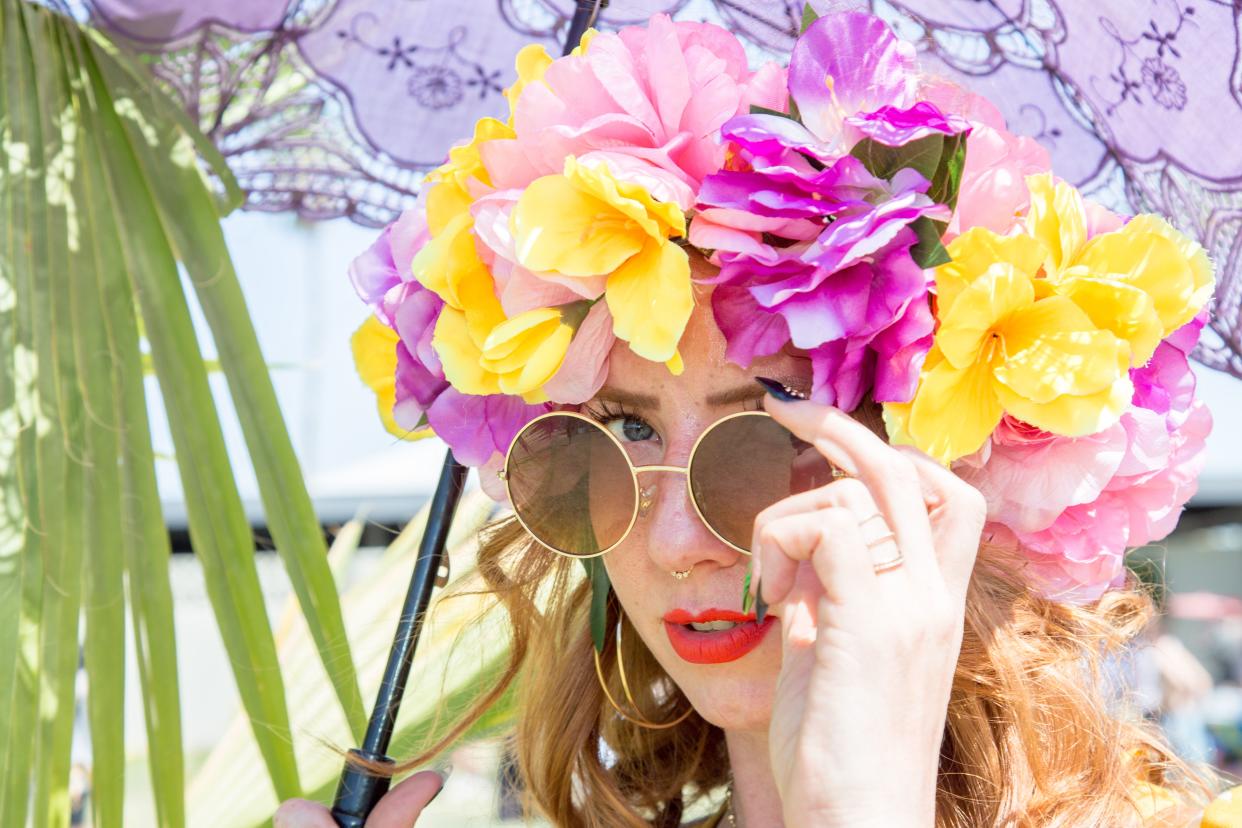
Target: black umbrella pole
column 359, row 791
column 584, row 18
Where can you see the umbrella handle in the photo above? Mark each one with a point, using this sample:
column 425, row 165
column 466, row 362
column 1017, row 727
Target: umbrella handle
column 358, row 791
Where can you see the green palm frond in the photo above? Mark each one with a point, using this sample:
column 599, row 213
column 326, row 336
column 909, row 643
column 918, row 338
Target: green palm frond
column 102, row 197
column 457, row 660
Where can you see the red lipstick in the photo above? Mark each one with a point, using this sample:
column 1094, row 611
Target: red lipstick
column 716, row 646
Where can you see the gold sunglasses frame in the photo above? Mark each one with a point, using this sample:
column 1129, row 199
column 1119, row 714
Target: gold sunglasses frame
column 503, row 474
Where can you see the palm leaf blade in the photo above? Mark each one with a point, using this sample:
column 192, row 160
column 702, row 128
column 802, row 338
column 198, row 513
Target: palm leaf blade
column 218, row 527
column 191, row 223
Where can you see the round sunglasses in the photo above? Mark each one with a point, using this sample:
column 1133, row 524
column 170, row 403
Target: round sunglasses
column 575, row 489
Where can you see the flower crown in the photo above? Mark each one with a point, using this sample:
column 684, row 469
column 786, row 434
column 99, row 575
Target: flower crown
column 883, row 222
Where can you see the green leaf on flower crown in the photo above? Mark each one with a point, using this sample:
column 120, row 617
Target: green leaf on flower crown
column 948, row 176
column 756, row 109
column 923, row 156
column 809, row 16
column 938, row 158
column 600, row 585
column 928, row 251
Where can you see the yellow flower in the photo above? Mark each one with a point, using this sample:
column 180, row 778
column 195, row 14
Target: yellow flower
column 374, row 347
column 1142, row 282
column 517, row 356
column 532, row 61
column 461, row 354
column 452, row 185
column 585, row 223
column 528, row 349
column 1000, row 348
column 1045, row 325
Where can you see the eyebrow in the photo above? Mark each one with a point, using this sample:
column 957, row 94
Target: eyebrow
column 742, row 393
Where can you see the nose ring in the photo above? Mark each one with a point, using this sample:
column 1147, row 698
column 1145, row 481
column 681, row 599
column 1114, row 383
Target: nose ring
column 680, row 575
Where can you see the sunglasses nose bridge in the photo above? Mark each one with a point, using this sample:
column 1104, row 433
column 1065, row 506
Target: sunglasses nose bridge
column 647, row 494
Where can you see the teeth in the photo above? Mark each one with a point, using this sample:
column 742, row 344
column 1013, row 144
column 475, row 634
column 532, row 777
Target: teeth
column 713, row 626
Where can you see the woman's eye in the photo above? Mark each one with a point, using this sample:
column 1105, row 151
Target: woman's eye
column 629, row 429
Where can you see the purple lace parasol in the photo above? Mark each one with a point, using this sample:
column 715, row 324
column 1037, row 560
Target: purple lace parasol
column 337, row 107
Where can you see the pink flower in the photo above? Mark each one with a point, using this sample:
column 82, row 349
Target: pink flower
column 658, row 93
column 993, row 191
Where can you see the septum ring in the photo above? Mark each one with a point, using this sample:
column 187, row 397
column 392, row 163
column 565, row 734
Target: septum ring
column 680, row 575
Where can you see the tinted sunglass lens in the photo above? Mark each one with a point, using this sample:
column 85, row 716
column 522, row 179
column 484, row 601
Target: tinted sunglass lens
column 570, row 485
column 745, row 464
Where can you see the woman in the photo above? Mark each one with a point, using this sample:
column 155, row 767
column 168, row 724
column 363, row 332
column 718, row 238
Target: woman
column 887, row 600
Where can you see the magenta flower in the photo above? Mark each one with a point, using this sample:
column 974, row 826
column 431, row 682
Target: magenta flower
column 851, row 295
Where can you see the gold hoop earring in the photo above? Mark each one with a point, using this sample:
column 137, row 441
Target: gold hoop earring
column 635, row 717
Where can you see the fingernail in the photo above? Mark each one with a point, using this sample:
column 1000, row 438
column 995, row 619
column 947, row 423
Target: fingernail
column 761, row 606
column 746, row 596
column 444, row 775
column 780, row 390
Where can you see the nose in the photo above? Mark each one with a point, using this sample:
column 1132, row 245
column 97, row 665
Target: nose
column 675, row 535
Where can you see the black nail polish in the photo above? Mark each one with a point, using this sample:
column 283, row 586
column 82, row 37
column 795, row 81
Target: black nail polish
column 761, row 606
column 780, row 390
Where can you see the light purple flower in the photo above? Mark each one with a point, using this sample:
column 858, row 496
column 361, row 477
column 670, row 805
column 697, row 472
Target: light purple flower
column 848, row 63
column 479, row 427
column 385, row 265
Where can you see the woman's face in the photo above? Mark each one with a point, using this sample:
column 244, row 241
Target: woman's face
column 657, row 416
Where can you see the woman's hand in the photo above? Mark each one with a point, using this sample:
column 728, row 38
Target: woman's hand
column 869, row 656
column 399, row 808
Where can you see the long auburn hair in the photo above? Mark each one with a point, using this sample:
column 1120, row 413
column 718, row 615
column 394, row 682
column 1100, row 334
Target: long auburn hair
column 1035, row 735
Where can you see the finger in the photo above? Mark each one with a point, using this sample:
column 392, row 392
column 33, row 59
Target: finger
column 846, row 492
column 401, row 807
column 302, row 813
column 832, row 541
column 888, row 474
column 958, row 508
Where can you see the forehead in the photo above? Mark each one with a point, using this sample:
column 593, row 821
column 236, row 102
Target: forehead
column 707, row 371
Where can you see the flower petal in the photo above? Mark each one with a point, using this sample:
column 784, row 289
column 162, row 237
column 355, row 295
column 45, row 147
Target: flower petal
column 750, row 331
column 1121, row 308
column 848, row 63
column 1142, row 255
column 976, row 250
column 650, row 298
column 1052, row 349
column 954, row 410
column 586, row 361
column 459, row 355
column 559, row 227
column 1058, row 218
column 977, row 316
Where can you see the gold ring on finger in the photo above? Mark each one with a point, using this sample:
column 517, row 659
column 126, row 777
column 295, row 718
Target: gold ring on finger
column 889, row 564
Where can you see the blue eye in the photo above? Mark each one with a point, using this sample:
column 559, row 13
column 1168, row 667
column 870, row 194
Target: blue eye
column 629, row 429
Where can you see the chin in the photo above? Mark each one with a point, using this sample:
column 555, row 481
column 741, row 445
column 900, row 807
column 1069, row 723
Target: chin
column 736, row 695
